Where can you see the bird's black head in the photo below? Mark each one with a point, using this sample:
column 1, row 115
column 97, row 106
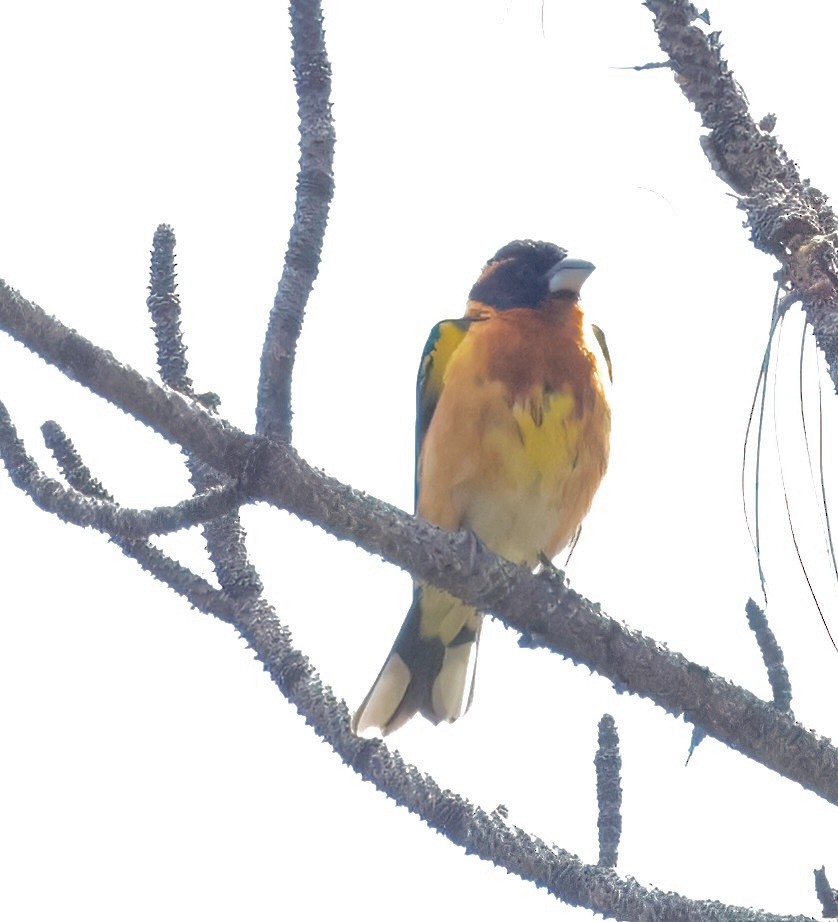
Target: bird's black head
column 517, row 275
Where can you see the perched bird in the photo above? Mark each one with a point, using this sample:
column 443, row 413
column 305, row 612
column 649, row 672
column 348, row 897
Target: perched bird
column 512, row 437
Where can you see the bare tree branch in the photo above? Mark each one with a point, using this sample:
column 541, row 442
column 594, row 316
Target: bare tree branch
column 195, row 589
column 75, row 472
column 103, row 515
column 554, row 616
column 487, row 835
column 825, row 893
column 224, row 535
column 97, row 369
column 772, row 656
column 540, row 606
column 164, row 306
column 315, row 185
column 789, row 218
column 609, row 794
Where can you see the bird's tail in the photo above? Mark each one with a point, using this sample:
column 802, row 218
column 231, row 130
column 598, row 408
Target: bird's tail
column 430, row 668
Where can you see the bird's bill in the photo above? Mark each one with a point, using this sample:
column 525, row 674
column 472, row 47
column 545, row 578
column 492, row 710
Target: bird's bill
column 569, row 275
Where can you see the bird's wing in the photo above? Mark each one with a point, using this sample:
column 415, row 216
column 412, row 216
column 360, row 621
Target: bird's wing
column 443, row 342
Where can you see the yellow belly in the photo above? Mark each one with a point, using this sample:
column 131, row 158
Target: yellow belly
column 521, row 477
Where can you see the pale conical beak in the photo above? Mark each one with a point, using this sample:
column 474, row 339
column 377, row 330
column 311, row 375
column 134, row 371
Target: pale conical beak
column 569, row 275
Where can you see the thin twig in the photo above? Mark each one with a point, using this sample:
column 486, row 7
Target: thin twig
column 650, row 65
column 197, row 590
column 224, row 535
column 164, row 306
column 609, row 794
column 75, row 471
column 772, row 656
column 98, row 370
column 315, row 185
column 825, row 893
column 104, row 515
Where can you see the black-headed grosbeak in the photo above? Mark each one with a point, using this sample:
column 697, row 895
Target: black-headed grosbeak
column 512, row 441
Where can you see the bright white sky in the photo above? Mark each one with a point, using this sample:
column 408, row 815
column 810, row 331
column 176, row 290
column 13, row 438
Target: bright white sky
column 150, row 768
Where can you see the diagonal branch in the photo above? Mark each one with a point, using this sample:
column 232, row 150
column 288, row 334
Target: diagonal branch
column 552, row 615
column 541, row 606
column 96, row 369
column 567, row 878
column 789, row 218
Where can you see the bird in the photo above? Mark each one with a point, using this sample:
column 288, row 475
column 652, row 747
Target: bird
column 513, row 427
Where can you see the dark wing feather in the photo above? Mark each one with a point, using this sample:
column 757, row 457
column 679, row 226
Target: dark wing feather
column 443, row 342
column 600, row 338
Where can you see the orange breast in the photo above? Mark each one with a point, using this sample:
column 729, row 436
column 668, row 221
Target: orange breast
column 532, row 349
